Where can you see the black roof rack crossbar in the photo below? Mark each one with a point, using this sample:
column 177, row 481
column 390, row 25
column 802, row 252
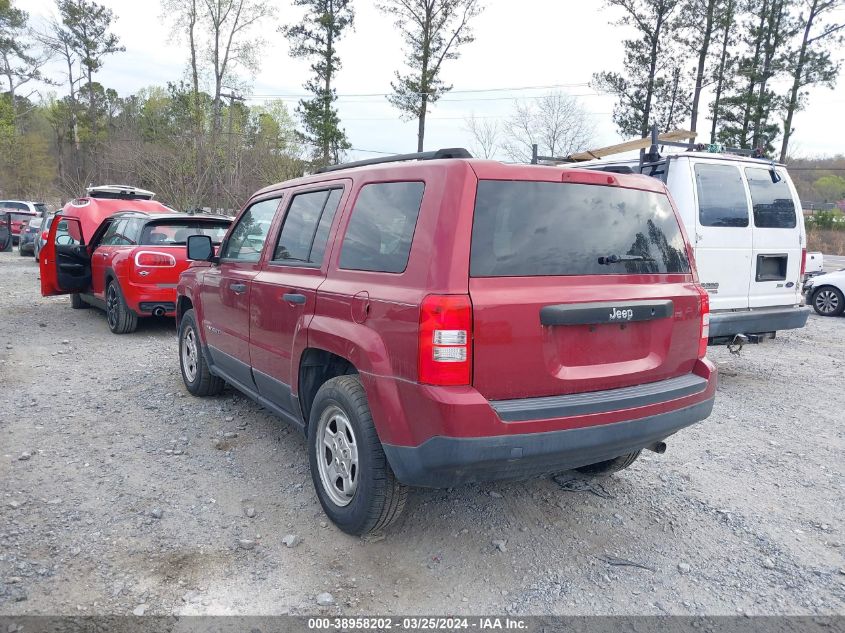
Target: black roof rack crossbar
column 452, row 152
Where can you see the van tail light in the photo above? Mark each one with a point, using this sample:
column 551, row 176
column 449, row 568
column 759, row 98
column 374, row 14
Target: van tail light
column 45, row 235
column 445, row 350
column 704, row 333
column 803, row 264
column 148, row 259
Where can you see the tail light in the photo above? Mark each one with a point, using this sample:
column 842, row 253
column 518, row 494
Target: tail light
column 803, row 264
column 445, row 352
column 147, row 259
column 704, row 333
column 44, row 235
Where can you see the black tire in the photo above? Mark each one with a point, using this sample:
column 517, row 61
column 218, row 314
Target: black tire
column 200, row 381
column 610, row 466
column 121, row 319
column 20, row 252
column 76, row 302
column 828, row 301
column 378, row 498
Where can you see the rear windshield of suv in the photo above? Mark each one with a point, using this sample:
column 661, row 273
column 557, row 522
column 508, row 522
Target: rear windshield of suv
column 526, row 229
column 773, row 204
column 176, row 233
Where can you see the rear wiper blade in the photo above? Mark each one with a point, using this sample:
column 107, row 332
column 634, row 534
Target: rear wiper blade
column 615, row 259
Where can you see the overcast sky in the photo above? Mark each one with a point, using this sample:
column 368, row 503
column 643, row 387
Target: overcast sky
column 519, row 44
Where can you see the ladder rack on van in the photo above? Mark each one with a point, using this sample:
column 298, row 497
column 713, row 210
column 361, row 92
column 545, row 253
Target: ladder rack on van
column 652, row 157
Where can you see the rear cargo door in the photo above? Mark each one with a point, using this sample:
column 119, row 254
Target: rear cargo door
column 723, row 234
column 777, row 241
column 578, row 287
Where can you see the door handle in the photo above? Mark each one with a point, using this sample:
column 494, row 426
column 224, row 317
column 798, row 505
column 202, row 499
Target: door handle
column 237, row 288
column 294, row 298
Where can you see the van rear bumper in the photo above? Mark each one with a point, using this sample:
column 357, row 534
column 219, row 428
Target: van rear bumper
column 757, row 321
column 441, row 462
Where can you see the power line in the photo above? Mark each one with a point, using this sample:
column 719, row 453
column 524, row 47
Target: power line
column 386, row 94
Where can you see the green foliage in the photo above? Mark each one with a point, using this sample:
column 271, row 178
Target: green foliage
column 832, row 188
column 315, row 38
column 826, row 221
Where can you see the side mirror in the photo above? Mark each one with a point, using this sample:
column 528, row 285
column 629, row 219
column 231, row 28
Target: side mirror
column 200, row 248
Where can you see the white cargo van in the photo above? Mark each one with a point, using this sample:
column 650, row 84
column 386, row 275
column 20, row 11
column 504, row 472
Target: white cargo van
column 745, row 223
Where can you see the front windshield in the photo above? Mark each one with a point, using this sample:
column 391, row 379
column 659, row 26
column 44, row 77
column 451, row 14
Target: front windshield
column 175, row 233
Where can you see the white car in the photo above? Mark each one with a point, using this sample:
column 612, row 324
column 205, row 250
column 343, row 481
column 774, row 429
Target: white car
column 826, row 293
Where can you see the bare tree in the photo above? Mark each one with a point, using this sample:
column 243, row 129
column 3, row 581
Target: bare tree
column 556, row 123
column 486, row 136
column 227, row 23
column 21, row 61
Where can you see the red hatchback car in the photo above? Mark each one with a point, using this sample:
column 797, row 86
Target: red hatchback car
column 443, row 320
column 129, row 267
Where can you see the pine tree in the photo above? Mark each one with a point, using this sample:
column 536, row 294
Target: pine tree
column 433, row 30
column 650, row 84
column 813, row 64
column 315, row 38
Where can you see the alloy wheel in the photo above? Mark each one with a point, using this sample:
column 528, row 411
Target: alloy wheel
column 337, row 456
column 827, row 302
column 112, row 305
column 190, row 354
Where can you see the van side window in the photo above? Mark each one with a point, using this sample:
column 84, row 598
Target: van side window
column 721, row 195
column 306, row 229
column 773, row 204
column 382, row 227
column 246, row 240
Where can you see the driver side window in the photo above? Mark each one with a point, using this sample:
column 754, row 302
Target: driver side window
column 69, row 233
column 246, row 240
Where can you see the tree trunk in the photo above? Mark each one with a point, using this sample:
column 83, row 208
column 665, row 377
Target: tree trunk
column 796, row 83
column 198, row 160
column 421, row 124
column 645, row 127
column 752, row 80
column 327, row 146
column 722, row 64
column 702, row 63
column 772, row 35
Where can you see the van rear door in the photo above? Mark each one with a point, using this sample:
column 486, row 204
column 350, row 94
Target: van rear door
column 777, row 239
column 578, row 287
column 723, row 233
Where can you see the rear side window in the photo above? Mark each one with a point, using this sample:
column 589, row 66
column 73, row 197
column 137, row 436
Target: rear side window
column 382, row 227
column 773, row 204
column 526, row 229
column 721, row 196
column 306, row 228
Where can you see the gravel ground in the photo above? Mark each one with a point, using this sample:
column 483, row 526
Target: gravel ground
column 121, row 493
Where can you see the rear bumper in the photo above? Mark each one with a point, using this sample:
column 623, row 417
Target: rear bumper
column 448, row 461
column 757, row 321
column 144, row 299
column 445, row 436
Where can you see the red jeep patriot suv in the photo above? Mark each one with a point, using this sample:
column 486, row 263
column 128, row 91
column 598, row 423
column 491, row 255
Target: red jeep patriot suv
column 431, row 320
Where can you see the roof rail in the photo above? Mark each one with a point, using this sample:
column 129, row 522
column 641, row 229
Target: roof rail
column 451, row 152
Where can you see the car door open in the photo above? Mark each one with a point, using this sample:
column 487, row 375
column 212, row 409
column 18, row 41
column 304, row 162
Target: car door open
column 64, row 261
